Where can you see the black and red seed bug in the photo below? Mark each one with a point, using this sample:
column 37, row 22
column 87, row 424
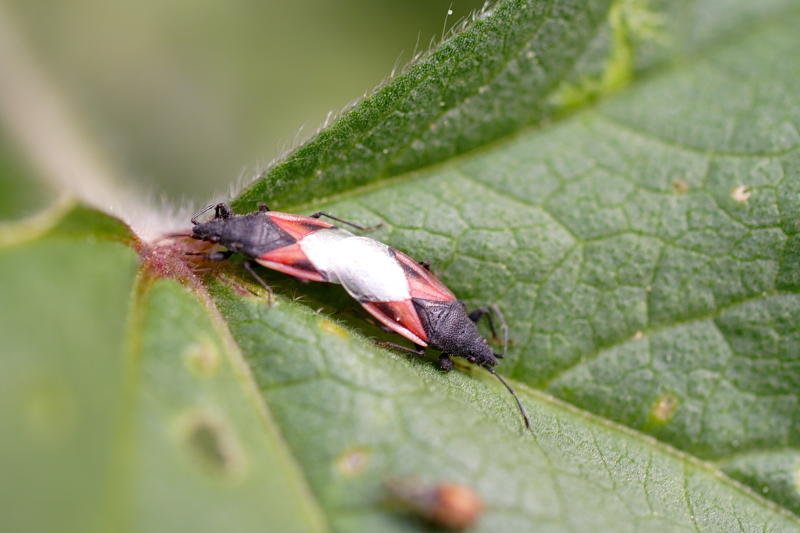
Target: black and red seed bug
column 400, row 292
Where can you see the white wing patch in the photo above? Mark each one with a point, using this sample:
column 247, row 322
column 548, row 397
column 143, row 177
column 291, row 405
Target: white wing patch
column 321, row 249
column 365, row 267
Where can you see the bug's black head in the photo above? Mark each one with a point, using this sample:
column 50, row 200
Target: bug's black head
column 450, row 330
column 252, row 234
column 212, row 231
column 479, row 352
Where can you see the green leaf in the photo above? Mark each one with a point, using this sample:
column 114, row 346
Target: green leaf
column 356, row 416
column 124, row 404
column 445, row 103
column 645, row 251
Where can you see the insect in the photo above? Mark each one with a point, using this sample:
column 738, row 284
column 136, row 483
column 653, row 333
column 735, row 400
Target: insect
column 399, row 292
column 445, row 504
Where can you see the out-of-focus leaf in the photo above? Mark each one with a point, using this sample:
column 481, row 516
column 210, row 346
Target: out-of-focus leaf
column 123, row 406
column 20, row 193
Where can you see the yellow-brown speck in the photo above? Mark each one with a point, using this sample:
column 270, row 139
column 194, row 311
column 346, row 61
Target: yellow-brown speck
column 331, row 327
column 664, row 408
column 202, row 359
column 680, row 186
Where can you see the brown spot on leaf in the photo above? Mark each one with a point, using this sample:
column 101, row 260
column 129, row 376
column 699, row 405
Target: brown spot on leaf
column 680, row 186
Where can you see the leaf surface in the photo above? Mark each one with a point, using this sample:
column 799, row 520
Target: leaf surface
column 124, row 407
column 645, row 251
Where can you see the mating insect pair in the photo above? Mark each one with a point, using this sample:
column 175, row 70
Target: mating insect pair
column 398, row 291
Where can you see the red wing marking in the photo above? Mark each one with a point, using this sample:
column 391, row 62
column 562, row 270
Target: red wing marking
column 421, row 283
column 400, row 317
column 297, row 226
column 290, row 260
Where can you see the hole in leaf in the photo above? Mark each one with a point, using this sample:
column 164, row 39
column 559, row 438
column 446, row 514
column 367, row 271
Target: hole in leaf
column 211, row 443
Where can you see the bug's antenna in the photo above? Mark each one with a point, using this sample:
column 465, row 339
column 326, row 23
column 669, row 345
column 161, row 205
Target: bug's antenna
column 174, row 235
column 522, row 410
column 209, row 208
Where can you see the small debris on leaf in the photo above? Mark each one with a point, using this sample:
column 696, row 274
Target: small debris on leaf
column 445, row 504
column 680, row 186
column 741, row 193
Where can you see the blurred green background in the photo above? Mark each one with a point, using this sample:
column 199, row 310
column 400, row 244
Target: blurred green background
column 186, row 97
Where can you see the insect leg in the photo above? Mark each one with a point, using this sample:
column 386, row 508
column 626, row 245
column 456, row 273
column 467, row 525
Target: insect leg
column 214, row 256
column 248, row 265
column 426, row 265
column 479, row 313
column 503, row 325
column 445, row 363
column 343, row 221
column 489, row 311
column 417, row 350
